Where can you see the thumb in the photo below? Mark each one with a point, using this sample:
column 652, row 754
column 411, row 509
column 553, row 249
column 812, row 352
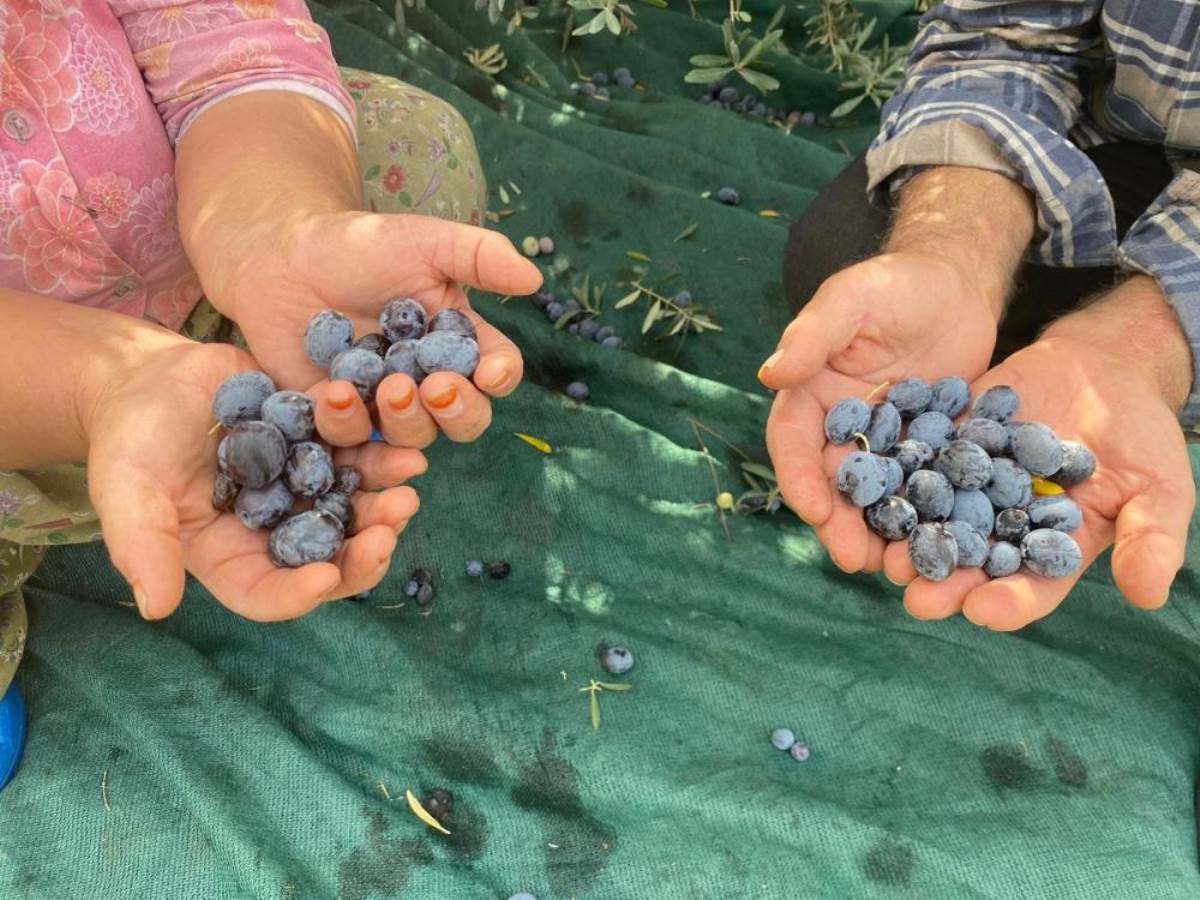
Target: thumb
column 141, row 529
column 1151, row 541
column 483, row 259
column 825, row 327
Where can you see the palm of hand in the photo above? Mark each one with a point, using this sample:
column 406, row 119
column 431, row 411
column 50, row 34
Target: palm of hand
column 154, row 498
column 892, row 317
column 1142, row 492
column 911, row 317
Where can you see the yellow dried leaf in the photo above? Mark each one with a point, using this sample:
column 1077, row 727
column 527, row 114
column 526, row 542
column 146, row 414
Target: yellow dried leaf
column 639, row 256
column 422, row 813
column 770, row 213
column 535, row 443
column 1044, row 488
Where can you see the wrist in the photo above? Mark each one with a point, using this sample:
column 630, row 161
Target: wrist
column 1136, row 329
column 977, row 221
column 250, row 172
column 47, row 411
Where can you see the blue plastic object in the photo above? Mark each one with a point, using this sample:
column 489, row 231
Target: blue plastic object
column 376, row 436
column 12, row 733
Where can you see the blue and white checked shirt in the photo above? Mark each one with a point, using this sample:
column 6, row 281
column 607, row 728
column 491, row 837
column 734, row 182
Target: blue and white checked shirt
column 1019, row 87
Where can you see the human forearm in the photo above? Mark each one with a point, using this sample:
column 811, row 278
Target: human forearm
column 978, row 220
column 1135, row 326
column 252, row 167
column 45, row 406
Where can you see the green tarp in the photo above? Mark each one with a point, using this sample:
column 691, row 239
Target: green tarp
column 210, row 757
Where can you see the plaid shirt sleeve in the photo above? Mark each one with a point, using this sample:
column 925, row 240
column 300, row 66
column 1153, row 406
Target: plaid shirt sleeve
column 998, row 85
column 1165, row 244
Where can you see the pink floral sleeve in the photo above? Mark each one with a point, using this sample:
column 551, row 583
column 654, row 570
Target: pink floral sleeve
column 195, row 54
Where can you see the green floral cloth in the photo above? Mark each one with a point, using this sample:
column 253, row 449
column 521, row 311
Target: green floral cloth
column 417, row 156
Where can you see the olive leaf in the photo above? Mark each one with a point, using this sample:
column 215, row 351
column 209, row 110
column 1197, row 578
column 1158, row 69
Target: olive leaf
column 488, row 60
column 495, row 9
column 593, row 689
column 652, row 316
column 878, row 74
column 710, row 67
column 753, row 468
column 686, row 233
column 400, row 6
column 614, row 15
column 535, row 442
column 628, row 300
column 706, row 60
column 520, row 14
column 423, row 814
column 759, row 80
column 692, row 317
column 706, row 76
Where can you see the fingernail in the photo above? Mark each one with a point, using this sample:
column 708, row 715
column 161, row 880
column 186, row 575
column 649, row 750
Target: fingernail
column 771, row 361
column 343, row 402
column 892, row 580
column 140, row 598
column 445, row 399
column 970, row 618
column 834, row 560
column 499, row 381
column 399, row 404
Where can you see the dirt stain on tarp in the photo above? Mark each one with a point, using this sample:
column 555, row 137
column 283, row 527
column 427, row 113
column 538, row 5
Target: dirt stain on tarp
column 582, row 843
column 1069, row 767
column 461, row 761
column 890, row 863
column 638, row 192
column 382, row 865
column 468, row 833
column 576, row 220
column 1007, row 767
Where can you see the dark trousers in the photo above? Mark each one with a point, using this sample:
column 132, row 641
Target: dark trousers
column 841, row 227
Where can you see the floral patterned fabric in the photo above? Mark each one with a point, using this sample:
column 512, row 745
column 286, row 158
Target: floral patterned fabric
column 417, row 155
column 421, row 152
column 93, row 97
